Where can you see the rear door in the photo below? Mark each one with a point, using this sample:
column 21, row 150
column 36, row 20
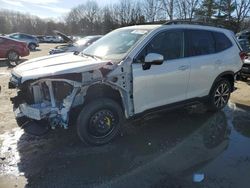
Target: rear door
column 204, row 62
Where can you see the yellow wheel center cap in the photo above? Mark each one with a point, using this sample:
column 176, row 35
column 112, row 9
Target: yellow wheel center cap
column 108, row 121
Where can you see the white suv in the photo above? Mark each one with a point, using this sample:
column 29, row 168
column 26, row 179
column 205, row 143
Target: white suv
column 129, row 72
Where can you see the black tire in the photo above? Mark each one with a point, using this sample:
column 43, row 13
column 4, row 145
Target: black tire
column 99, row 121
column 219, row 95
column 32, row 46
column 13, row 56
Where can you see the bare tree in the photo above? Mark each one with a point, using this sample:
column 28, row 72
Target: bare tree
column 186, row 8
column 124, row 11
column 168, row 6
column 242, row 10
column 151, row 8
column 226, row 8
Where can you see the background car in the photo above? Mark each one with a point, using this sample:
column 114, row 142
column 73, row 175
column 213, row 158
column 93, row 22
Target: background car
column 40, row 38
column 32, row 41
column 12, row 49
column 245, row 45
column 78, row 46
column 53, row 39
column 243, row 35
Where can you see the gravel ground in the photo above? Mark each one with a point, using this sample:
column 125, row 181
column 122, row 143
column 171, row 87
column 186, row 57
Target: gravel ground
column 166, row 150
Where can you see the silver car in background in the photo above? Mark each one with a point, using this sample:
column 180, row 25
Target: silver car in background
column 31, row 41
column 77, row 46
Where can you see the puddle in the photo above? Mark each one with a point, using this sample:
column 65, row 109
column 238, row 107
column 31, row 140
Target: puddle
column 154, row 152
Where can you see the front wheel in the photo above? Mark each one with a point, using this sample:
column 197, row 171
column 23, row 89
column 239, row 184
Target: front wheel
column 99, row 121
column 219, row 95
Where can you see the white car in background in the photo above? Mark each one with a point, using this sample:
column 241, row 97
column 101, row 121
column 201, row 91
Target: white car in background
column 77, row 46
column 53, row 39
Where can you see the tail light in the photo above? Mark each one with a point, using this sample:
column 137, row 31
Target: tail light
column 243, row 56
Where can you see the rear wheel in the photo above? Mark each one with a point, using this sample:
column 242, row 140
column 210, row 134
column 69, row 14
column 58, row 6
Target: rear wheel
column 99, row 121
column 13, row 56
column 32, row 47
column 219, row 95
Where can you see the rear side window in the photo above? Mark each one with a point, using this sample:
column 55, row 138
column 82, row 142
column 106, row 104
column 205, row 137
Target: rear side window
column 221, row 42
column 200, row 42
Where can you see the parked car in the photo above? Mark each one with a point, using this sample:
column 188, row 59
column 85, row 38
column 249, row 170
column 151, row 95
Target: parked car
column 127, row 73
column 32, row 41
column 40, row 38
column 243, row 35
column 12, row 49
column 245, row 70
column 53, row 39
column 78, row 46
column 245, row 45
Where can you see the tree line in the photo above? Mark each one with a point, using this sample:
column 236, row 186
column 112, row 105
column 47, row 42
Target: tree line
column 89, row 18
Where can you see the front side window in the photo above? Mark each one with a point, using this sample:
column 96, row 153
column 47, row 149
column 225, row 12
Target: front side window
column 200, row 42
column 170, row 44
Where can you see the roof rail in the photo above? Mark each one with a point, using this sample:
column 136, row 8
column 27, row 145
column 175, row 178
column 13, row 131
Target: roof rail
column 176, row 22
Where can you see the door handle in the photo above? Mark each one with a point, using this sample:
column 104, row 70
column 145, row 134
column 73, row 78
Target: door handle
column 183, row 67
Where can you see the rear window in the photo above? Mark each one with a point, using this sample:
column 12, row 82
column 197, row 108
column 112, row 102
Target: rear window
column 221, row 42
column 200, row 42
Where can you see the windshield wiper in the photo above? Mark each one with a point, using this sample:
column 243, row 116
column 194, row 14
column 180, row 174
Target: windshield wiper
column 93, row 56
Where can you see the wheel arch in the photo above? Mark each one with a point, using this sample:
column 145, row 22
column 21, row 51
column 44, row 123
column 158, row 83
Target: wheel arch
column 12, row 49
column 103, row 90
column 229, row 75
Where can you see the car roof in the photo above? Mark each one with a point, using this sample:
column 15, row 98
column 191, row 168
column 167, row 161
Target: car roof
column 146, row 27
column 23, row 34
column 177, row 26
column 7, row 38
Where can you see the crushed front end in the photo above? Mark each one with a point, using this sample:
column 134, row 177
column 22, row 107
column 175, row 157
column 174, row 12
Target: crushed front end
column 49, row 99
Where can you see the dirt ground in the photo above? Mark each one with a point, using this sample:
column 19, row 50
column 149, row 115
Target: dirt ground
column 178, row 149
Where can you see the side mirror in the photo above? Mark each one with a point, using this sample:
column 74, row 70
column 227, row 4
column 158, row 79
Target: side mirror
column 152, row 59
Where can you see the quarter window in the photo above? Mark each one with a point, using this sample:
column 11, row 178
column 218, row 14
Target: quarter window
column 221, row 41
column 201, row 42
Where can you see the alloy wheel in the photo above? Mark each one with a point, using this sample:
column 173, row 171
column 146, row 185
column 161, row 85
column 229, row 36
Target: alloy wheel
column 221, row 95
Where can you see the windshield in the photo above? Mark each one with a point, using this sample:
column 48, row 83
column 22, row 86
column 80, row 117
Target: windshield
column 115, row 45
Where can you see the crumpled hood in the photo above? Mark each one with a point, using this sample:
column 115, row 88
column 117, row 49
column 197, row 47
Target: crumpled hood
column 55, row 65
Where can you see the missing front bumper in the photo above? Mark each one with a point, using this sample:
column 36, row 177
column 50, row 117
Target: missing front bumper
column 35, row 111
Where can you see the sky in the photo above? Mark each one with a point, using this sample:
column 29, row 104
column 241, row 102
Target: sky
column 46, row 8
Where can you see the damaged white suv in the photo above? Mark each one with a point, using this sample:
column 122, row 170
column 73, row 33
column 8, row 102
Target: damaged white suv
column 130, row 71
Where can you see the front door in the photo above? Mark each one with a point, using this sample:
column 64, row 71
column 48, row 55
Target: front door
column 161, row 84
